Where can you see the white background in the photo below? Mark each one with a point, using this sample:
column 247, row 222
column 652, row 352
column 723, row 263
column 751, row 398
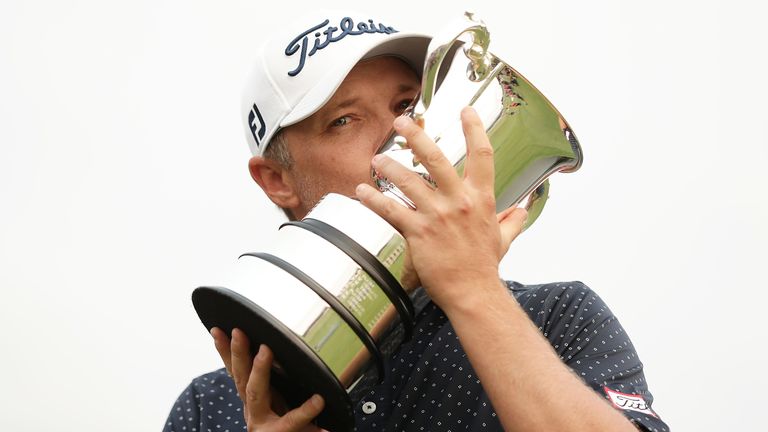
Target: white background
column 123, row 186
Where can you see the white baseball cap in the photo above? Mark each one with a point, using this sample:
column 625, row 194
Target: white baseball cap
column 298, row 69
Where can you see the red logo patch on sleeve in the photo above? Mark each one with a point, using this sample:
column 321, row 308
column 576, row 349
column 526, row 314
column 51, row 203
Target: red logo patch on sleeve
column 630, row 402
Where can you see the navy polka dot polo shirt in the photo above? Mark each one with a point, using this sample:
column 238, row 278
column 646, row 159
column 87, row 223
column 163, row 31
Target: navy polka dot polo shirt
column 429, row 384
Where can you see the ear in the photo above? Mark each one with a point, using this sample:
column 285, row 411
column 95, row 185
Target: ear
column 276, row 182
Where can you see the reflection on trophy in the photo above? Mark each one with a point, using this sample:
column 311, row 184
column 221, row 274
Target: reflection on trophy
column 323, row 295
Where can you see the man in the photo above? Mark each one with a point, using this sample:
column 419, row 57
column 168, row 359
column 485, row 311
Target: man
column 486, row 356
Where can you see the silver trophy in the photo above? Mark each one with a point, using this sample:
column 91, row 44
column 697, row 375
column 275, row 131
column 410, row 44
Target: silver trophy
column 331, row 286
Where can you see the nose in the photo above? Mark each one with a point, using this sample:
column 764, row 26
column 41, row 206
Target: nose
column 384, row 127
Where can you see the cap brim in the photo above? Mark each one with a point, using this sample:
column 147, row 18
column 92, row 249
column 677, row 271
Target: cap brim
column 411, row 47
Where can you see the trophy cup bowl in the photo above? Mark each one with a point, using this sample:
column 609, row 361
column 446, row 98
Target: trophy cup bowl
column 327, row 291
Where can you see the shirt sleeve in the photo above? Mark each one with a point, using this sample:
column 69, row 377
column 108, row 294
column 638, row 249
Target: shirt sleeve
column 590, row 340
column 209, row 403
column 185, row 413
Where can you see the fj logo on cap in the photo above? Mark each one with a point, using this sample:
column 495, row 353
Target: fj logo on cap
column 346, row 26
column 256, row 122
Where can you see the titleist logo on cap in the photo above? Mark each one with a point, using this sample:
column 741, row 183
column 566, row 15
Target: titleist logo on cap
column 346, row 27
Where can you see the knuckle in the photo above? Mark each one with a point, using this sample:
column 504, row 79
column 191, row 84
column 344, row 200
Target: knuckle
column 238, row 347
column 237, row 353
column 251, row 395
column 405, row 181
column 488, row 202
column 293, row 419
column 485, row 151
column 434, row 157
column 411, row 131
column 445, row 215
column 388, row 207
column 427, row 230
column 241, row 383
column 464, row 205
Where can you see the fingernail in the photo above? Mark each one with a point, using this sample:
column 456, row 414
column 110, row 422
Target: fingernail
column 361, row 190
column 377, row 159
column 261, row 353
column 316, row 400
column 211, row 332
column 402, row 121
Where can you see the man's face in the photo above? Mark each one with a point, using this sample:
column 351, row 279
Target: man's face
column 332, row 149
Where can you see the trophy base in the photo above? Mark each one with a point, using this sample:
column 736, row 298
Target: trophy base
column 300, row 373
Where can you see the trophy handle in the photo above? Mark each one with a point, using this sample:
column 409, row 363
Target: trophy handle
column 475, row 34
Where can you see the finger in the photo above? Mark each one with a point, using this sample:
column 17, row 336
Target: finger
column 298, row 418
column 409, row 279
column 511, row 226
column 392, row 212
column 479, row 166
column 241, row 361
column 410, row 183
column 504, row 213
column 258, row 399
column 430, row 155
column 222, row 344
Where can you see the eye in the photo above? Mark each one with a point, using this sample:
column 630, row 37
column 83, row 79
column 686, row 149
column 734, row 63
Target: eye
column 402, row 105
column 341, row 121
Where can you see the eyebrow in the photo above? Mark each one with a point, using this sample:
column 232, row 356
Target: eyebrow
column 345, row 103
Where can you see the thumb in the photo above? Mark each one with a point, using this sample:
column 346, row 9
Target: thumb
column 511, row 225
column 300, row 417
column 409, row 278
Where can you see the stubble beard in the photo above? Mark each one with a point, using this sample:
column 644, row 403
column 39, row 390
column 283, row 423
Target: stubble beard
column 310, row 192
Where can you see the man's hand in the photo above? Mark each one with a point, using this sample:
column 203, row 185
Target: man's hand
column 455, row 237
column 251, row 378
column 509, row 231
